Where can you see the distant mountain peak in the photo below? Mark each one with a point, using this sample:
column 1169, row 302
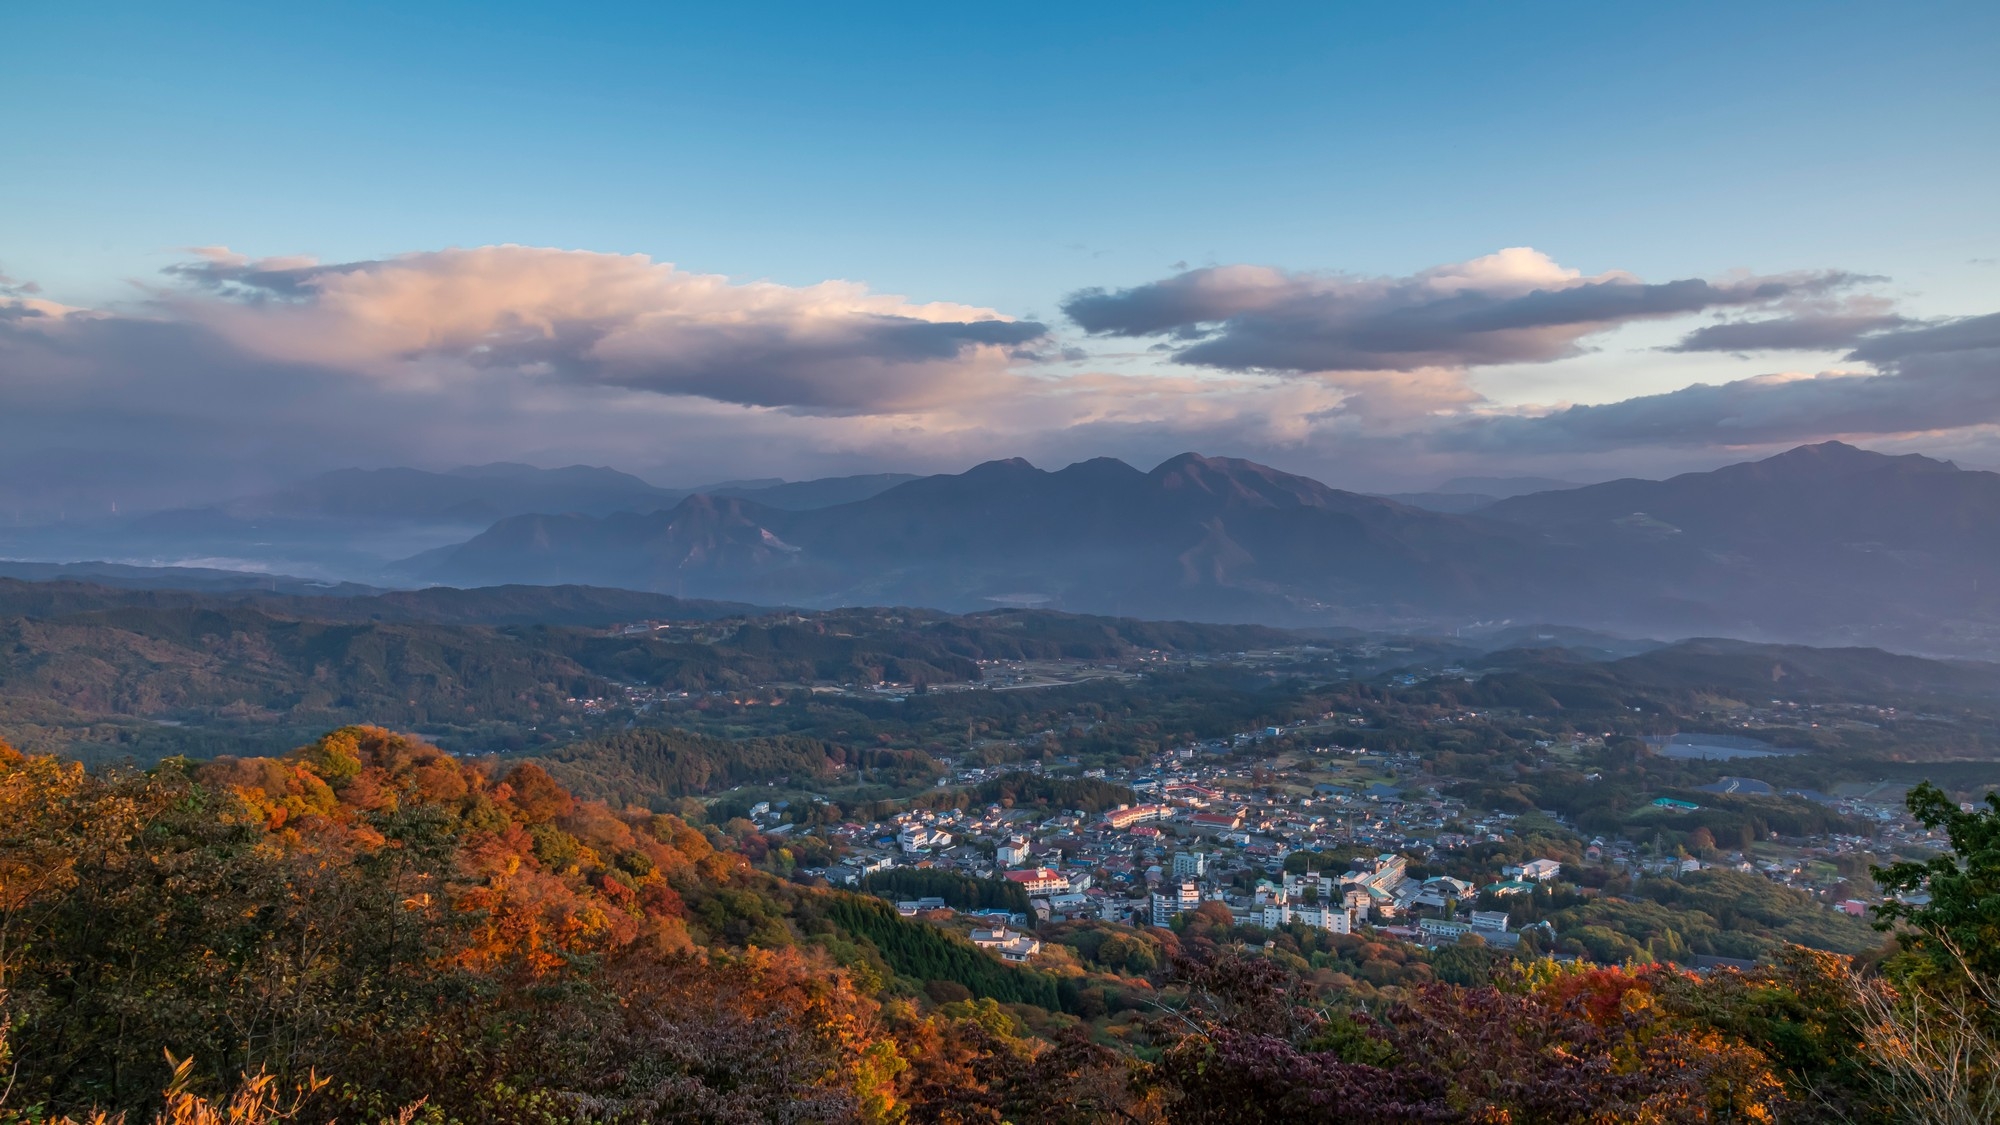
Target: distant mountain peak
column 495, row 469
column 1225, row 466
column 1236, row 480
column 1837, row 458
column 1007, row 465
column 1101, row 468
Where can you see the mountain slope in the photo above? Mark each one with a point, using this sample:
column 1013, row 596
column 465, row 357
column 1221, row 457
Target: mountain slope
column 484, row 493
column 825, row 492
column 1200, row 537
column 1825, row 544
column 473, row 493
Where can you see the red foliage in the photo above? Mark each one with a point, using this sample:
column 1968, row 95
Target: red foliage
column 1600, row 992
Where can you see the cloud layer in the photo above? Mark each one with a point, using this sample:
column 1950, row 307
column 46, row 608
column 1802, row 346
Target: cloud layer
column 1516, row 306
column 234, row 373
column 1921, row 378
column 618, row 320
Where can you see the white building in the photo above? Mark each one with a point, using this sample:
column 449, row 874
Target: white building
column 1535, row 870
column 913, row 838
column 862, row 865
column 1125, row 816
column 1009, row 945
column 1298, row 887
column 1039, row 881
column 1330, row 917
column 1013, row 851
column 1443, row 929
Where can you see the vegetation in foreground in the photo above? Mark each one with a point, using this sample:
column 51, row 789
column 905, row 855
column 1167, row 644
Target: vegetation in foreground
column 368, row 929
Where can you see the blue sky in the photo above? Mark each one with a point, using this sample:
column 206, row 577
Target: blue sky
column 1006, row 159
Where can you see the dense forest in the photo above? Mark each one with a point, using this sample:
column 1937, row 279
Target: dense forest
column 961, row 892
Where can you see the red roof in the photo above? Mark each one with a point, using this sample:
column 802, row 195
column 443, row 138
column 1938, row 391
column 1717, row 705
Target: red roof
column 1036, row 875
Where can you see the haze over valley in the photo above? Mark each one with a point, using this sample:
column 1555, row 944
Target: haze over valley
column 1823, row 544
column 1167, row 564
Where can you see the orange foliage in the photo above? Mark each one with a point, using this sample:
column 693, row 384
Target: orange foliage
column 1603, row 991
column 534, row 872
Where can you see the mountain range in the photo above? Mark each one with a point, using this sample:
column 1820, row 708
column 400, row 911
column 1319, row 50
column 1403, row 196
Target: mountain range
column 348, row 524
column 1823, row 544
column 484, row 493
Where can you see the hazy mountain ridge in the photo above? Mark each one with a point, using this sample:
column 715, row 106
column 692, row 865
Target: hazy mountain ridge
column 1825, row 544
column 484, row 493
column 476, row 492
column 579, row 606
column 1211, row 538
column 349, row 525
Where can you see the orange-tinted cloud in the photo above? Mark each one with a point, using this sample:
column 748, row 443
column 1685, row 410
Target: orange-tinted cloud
column 1514, row 306
column 618, row 320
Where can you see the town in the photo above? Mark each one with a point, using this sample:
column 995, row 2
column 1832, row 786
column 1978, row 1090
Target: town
column 1335, row 839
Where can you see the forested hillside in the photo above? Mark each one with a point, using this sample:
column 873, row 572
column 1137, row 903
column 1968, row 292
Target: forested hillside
column 367, row 927
column 157, row 672
column 645, row 767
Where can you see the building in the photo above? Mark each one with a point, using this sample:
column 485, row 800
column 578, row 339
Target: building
column 1125, row 816
column 1039, row 881
column 1190, row 865
column 857, row 867
column 917, row 837
column 1446, row 886
column 1174, row 900
column 1440, row 891
column 1443, row 929
column 1328, row 916
column 1009, row 945
column 1383, row 872
column 1534, row 871
column 1012, row 852
column 1299, row 887
column 1495, row 921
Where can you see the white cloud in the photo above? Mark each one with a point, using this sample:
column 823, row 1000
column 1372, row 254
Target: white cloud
column 623, row 320
column 238, row 372
column 1514, row 306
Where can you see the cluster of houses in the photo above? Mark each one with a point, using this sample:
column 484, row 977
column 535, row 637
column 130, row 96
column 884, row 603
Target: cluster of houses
column 1194, row 839
column 1203, row 830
